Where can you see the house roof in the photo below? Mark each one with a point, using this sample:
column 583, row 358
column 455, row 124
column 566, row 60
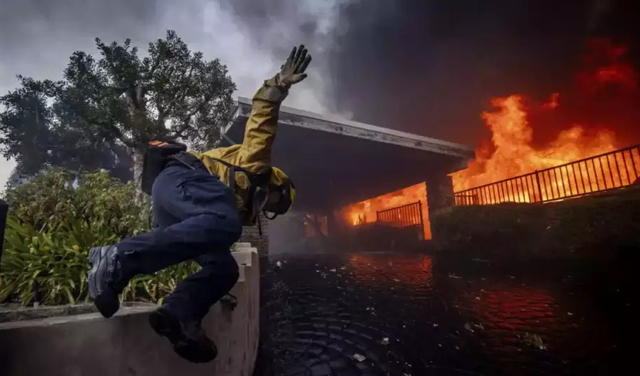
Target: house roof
column 335, row 161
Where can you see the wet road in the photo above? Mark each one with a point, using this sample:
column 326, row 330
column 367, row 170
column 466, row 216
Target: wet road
column 389, row 314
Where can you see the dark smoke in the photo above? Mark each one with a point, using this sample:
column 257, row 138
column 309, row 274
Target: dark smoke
column 431, row 67
column 424, row 66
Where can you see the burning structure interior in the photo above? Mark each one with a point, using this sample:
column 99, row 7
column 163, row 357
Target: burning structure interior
column 344, row 171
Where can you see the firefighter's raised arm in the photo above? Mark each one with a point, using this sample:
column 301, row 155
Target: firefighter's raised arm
column 260, row 132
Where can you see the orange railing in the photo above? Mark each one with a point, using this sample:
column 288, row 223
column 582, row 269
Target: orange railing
column 409, row 215
column 402, row 216
column 613, row 170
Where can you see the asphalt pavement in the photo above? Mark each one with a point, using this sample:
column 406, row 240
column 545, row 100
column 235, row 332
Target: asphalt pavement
column 410, row 315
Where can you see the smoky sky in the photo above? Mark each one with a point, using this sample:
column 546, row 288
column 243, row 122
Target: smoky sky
column 431, row 67
column 423, row 66
column 38, row 36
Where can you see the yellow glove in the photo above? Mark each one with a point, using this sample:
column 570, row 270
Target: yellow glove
column 292, row 71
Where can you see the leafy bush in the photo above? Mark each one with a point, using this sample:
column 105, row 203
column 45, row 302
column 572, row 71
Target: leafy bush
column 158, row 285
column 53, row 222
column 56, row 259
column 54, row 197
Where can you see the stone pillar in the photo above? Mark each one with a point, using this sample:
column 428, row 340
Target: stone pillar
column 251, row 234
column 439, row 199
column 439, row 193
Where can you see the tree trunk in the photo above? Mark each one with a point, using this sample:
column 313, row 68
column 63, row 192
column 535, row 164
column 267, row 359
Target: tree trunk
column 137, row 156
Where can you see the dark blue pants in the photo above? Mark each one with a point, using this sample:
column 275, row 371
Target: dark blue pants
column 197, row 220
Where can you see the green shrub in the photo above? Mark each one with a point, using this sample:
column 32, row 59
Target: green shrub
column 54, row 197
column 156, row 286
column 56, row 259
column 53, row 222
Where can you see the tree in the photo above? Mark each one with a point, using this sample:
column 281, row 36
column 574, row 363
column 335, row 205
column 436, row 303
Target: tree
column 34, row 134
column 26, row 124
column 118, row 100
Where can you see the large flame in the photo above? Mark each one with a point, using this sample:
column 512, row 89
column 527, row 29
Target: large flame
column 366, row 211
column 513, row 153
column 605, row 77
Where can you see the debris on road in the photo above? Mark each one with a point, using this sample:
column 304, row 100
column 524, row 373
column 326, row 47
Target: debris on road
column 332, row 309
column 534, row 340
column 359, row 357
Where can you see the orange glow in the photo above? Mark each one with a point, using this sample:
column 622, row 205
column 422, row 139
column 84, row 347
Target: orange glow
column 510, row 307
column 366, row 211
column 606, row 67
column 512, row 152
column 315, row 225
column 552, row 103
column 402, row 269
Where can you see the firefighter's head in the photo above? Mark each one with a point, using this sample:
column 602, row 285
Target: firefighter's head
column 280, row 194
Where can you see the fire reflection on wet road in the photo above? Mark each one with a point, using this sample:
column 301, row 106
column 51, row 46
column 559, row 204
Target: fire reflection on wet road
column 389, row 314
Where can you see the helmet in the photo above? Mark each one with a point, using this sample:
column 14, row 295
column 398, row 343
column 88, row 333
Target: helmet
column 281, row 183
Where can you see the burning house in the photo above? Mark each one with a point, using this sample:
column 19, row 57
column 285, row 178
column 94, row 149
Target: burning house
column 344, row 171
column 359, row 178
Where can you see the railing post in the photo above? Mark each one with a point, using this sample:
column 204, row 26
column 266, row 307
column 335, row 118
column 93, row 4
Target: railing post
column 421, row 221
column 538, row 184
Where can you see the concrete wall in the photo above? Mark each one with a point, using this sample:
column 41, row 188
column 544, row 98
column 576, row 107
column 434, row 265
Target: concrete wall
column 603, row 227
column 125, row 344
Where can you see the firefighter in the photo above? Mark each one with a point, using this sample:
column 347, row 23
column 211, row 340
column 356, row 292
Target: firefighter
column 200, row 202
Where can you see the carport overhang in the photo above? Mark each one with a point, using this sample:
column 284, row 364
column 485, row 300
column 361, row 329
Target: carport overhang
column 334, row 162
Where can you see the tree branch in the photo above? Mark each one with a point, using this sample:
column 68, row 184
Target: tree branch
column 161, row 111
column 113, row 129
column 187, row 117
column 154, row 67
column 175, row 99
column 133, row 99
column 137, row 94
